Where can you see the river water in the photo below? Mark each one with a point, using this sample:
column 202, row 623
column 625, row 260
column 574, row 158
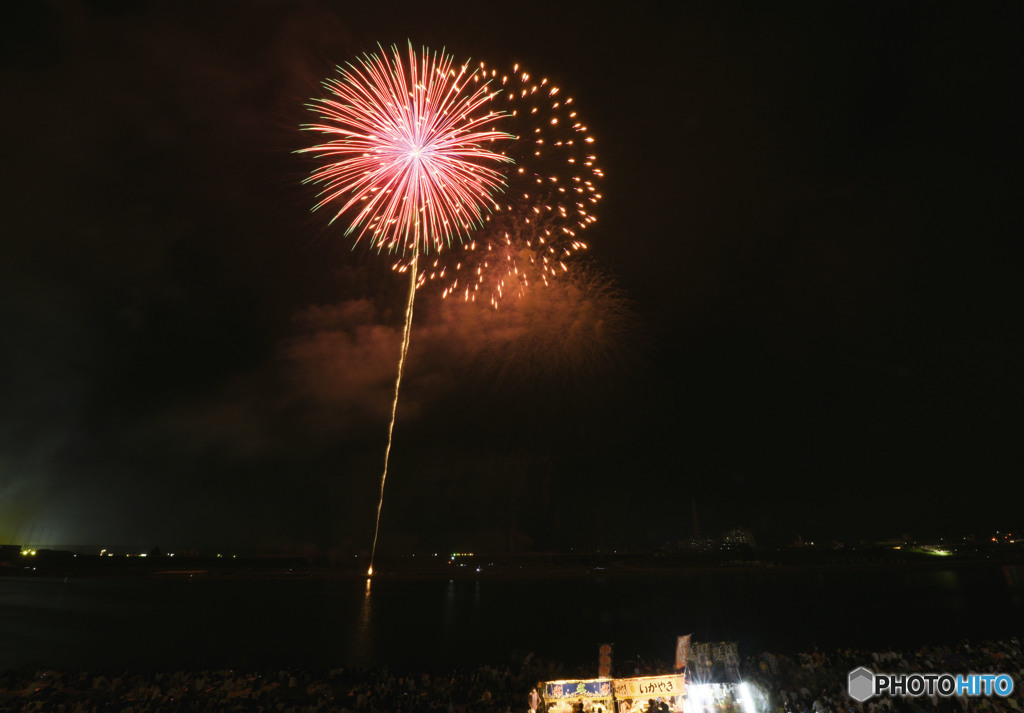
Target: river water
column 316, row 622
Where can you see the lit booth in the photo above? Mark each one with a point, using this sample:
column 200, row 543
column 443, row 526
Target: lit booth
column 651, row 694
column 714, row 682
column 591, row 696
column 714, row 698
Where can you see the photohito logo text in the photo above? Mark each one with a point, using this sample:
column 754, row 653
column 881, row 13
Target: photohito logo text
column 864, row 684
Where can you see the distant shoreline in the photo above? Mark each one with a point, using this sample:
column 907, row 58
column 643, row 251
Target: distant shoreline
column 62, row 564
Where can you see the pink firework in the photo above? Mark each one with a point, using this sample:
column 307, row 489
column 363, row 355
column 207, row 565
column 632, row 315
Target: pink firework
column 406, row 154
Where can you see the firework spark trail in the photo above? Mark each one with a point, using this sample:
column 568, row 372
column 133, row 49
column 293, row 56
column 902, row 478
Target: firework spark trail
column 406, row 153
column 532, row 233
column 406, row 332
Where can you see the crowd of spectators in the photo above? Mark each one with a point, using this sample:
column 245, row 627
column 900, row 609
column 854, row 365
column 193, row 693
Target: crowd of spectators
column 356, row 690
column 812, row 682
column 816, row 682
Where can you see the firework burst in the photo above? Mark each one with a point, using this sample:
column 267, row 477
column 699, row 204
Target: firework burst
column 407, row 156
column 533, row 230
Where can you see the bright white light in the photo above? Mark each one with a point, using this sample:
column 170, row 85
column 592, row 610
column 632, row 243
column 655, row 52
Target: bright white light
column 746, row 700
column 696, row 698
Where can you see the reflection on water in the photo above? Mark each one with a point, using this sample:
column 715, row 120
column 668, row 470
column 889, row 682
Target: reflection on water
column 367, row 612
column 949, row 584
column 326, row 622
column 450, row 606
column 361, row 641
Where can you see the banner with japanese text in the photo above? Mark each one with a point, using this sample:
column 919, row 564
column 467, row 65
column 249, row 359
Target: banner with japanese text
column 593, row 688
column 604, row 661
column 714, row 661
column 682, row 651
column 650, row 687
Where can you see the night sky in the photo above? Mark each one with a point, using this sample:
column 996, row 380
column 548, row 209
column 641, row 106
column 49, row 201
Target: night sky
column 802, row 313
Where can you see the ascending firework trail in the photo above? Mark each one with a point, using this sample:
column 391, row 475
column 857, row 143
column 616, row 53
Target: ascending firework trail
column 403, row 153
